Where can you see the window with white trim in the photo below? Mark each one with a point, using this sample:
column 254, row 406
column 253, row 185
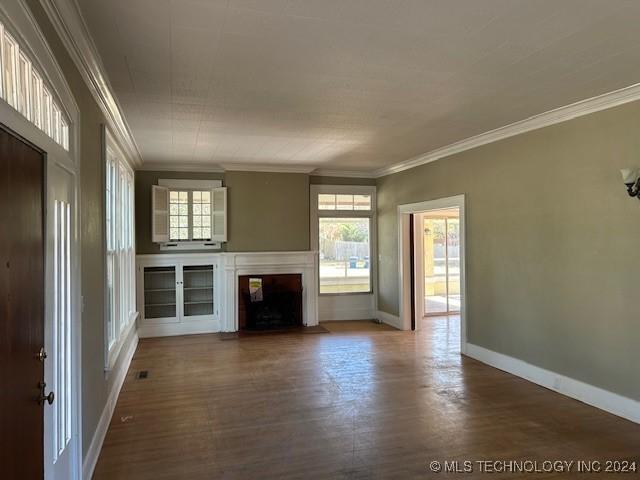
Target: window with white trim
column 120, row 252
column 344, row 219
column 189, row 214
column 22, row 86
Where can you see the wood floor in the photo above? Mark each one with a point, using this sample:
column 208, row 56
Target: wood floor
column 361, row 402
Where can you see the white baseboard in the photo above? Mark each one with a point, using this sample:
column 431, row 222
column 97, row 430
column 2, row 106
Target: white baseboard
column 118, row 375
column 597, row 397
column 389, row 319
column 346, row 314
column 173, row 329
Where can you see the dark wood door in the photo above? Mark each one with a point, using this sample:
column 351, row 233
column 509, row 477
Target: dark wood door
column 21, row 308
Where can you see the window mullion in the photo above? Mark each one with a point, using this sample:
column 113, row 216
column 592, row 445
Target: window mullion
column 190, row 215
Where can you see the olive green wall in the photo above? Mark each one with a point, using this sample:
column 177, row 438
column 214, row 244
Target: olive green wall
column 267, row 211
column 95, row 384
column 143, row 181
column 552, row 245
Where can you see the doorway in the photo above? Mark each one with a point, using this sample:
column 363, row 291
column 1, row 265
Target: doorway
column 432, row 263
column 22, row 342
column 39, row 340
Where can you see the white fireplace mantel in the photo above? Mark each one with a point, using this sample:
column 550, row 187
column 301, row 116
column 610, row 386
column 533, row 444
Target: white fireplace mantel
column 228, row 267
column 266, row 263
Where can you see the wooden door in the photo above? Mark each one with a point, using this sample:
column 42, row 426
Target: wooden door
column 21, row 308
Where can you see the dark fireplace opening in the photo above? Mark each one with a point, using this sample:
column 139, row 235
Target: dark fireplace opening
column 269, row 302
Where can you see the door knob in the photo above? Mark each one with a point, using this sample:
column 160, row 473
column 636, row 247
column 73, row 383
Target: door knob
column 41, row 355
column 45, row 398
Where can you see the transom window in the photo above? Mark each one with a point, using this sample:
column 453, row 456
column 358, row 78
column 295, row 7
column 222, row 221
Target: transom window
column 22, row 86
column 189, row 215
column 332, row 201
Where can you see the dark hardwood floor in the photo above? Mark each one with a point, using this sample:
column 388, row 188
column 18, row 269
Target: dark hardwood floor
column 361, row 402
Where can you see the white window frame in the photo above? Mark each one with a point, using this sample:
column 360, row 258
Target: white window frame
column 190, row 186
column 317, row 214
column 56, row 125
column 120, row 306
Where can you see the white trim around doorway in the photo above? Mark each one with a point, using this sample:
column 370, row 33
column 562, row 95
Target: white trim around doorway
column 16, row 15
column 404, row 267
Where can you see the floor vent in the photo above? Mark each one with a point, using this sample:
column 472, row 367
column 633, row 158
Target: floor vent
column 142, row 374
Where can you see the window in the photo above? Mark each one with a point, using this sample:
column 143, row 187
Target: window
column 344, row 216
column 22, row 87
column 189, row 215
column 201, row 215
column 343, row 202
column 344, row 255
column 120, row 254
column 179, row 215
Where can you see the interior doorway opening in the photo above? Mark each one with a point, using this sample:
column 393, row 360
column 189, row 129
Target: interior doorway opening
column 432, row 268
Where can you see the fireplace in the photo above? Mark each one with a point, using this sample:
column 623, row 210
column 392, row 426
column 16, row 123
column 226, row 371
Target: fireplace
column 269, row 302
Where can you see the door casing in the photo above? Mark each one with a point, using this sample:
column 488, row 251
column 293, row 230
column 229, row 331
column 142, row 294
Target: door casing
column 405, row 266
column 17, row 17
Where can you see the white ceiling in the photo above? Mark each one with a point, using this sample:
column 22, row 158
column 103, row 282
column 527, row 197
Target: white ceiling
column 350, row 84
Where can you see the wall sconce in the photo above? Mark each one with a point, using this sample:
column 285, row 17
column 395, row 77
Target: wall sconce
column 631, row 179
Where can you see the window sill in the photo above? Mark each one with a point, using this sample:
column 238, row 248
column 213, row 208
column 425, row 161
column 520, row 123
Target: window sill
column 181, row 246
column 342, row 294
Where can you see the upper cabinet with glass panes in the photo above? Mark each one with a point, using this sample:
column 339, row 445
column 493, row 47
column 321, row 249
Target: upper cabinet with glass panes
column 345, row 202
column 23, row 87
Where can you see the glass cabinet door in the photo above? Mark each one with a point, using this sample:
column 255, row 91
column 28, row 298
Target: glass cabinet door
column 160, row 292
column 197, row 285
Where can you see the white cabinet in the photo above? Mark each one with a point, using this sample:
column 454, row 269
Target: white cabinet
column 178, row 294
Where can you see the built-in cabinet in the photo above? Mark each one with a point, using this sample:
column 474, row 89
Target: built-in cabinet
column 178, row 294
column 187, row 293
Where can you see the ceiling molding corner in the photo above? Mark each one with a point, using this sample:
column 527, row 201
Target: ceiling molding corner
column 175, row 167
column 249, row 167
column 323, row 172
column 546, row 119
column 67, row 19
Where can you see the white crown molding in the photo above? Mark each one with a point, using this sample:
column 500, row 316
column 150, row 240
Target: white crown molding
column 248, row 167
column 67, row 19
column 179, row 167
column 71, row 27
column 552, row 117
column 323, row 172
column 195, row 167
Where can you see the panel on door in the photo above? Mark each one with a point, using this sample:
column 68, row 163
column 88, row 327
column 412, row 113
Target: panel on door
column 59, row 328
column 22, row 309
